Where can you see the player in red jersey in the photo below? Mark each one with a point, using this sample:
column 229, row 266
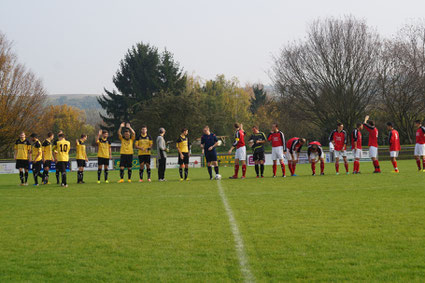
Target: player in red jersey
column 356, row 146
column 394, row 141
column 293, row 148
column 338, row 138
column 240, row 154
column 420, row 145
column 315, row 152
column 369, row 125
column 277, row 138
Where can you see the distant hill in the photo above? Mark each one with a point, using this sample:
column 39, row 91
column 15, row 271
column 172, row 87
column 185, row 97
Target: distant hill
column 86, row 102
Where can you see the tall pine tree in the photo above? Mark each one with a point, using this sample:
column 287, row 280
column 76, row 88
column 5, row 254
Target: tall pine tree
column 143, row 73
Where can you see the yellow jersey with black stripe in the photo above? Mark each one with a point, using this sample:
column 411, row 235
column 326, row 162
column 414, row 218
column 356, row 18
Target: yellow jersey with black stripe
column 146, row 142
column 127, row 145
column 104, row 146
column 183, row 144
column 81, row 150
column 22, row 147
column 62, row 149
column 36, row 149
column 47, row 150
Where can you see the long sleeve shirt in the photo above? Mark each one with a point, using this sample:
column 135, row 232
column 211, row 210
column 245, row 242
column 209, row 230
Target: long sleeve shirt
column 161, row 147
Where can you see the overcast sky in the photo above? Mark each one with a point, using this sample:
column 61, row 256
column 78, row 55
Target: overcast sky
column 75, row 46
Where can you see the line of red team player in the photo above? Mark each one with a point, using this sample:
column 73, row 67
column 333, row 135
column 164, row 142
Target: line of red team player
column 338, row 145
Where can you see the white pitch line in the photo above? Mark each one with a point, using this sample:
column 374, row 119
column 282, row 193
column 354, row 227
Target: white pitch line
column 239, row 246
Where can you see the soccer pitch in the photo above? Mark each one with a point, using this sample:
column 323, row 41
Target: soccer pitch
column 367, row 227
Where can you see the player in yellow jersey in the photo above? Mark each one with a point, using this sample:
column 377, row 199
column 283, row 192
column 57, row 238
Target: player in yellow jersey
column 104, row 154
column 127, row 138
column 37, row 157
column 144, row 144
column 62, row 157
column 81, row 157
column 22, row 153
column 183, row 146
column 54, row 149
column 47, row 156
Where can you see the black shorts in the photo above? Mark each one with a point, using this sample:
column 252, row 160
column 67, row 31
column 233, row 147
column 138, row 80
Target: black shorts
column 185, row 159
column 61, row 166
column 81, row 163
column 146, row 159
column 102, row 161
column 47, row 163
column 258, row 156
column 36, row 166
column 211, row 156
column 22, row 163
column 126, row 160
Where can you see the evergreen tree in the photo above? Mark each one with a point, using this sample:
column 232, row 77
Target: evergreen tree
column 259, row 99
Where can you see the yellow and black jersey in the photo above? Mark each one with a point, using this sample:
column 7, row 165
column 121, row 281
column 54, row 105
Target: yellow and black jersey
column 127, row 145
column 47, row 150
column 62, row 149
column 36, row 151
column 104, row 146
column 81, row 150
column 146, row 142
column 22, row 147
column 183, row 144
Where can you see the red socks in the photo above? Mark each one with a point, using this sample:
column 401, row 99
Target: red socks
column 356, row 166
column 423, row 163
column 236, row 170
column 313, row 167
column 243, row 170
column 337, row 167
column 394, row 164
column 376, row 165
column 282, row 165
column 418, row 162
column 274, row 169
column 346, row 167
column 322, row 167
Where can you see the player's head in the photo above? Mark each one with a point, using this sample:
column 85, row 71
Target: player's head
column 206, row 130
column 255, row 129
column 61, row 136
column 302, row 141
column 275, row 127
column 237, row 126
column 33, row 136
column 314, row 147
column 185, row 131
column 105, row 134
column 50, row 135
column 371, row 123
column 340, row 126
column 359, row 126
column 127, row 134
column 161, row 131
column 22, row 135
column 418, row 123
column 390, row 125
column 60, row 132
column 144, row 130
column 83, row 137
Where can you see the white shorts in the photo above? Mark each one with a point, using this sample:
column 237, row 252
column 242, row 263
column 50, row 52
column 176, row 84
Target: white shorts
column 315, row 156
column 340, row 153
column 393, row 153
column 357, row 153
column 419, row 149
column 277, row 153
column 289, row 156
column 373, row 152
column 240, row 153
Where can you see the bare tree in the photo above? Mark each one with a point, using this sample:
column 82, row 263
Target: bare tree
column 402, row 79
column 331, row 75
column 22, row 97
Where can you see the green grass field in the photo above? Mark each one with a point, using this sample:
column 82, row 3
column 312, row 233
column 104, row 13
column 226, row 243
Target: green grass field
column 324, row 228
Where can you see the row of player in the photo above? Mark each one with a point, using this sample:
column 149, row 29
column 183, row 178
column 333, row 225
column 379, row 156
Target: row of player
column 42, row 154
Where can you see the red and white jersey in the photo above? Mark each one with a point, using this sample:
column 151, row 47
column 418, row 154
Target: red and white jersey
column 339, row 140
column 239, row 139
column 373, row 134
column 356, row 139
column 420, row 135
column 310, row 148
column 394, row 140
column 293, row 145
column 277, row 139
